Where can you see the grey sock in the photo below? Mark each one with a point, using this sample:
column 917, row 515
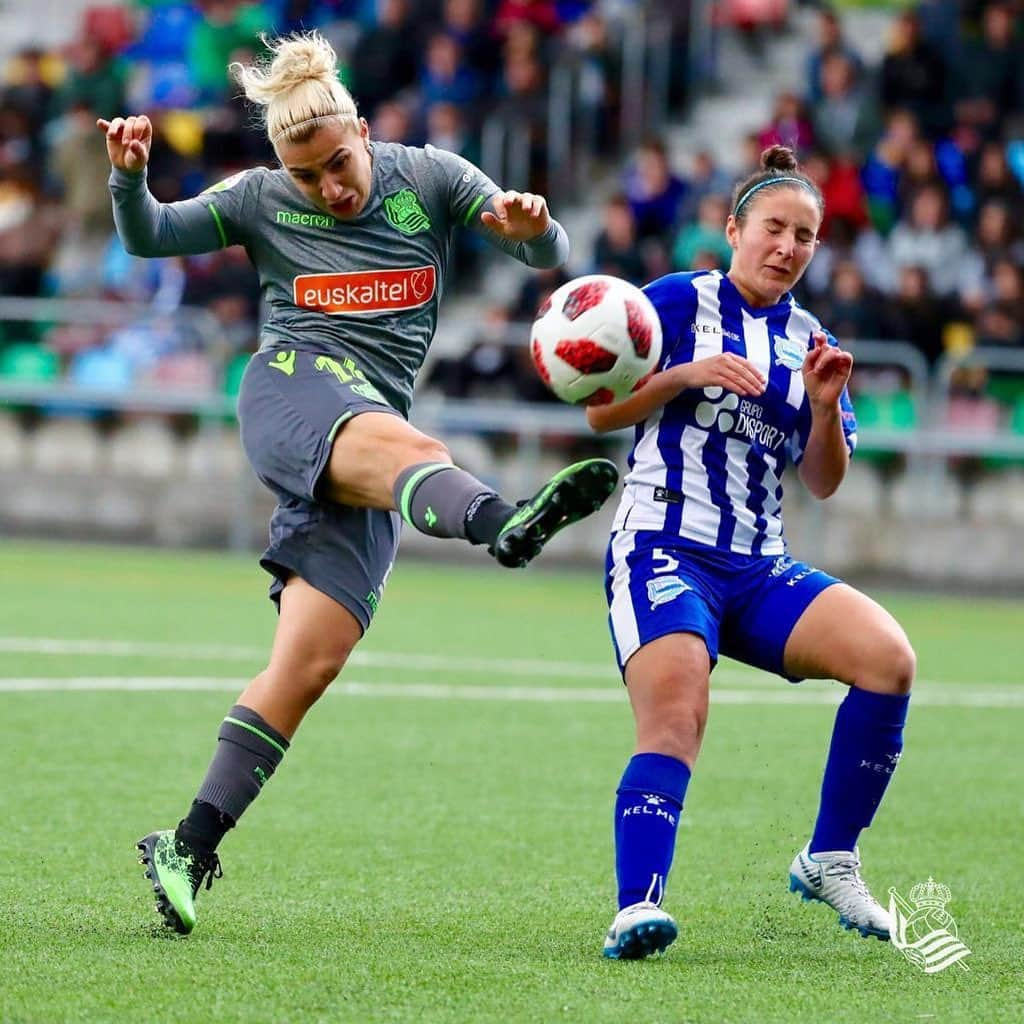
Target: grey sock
column 248, row 751
column 437, row 498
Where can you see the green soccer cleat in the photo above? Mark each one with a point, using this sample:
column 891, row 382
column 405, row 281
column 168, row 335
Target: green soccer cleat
column 177, row 871
column 569, row 496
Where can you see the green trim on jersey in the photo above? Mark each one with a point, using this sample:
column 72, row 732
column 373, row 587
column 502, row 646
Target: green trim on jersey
column 473, row 208
column 338, row 424
column 257, row 732
column 413, row 482
column 220, row 226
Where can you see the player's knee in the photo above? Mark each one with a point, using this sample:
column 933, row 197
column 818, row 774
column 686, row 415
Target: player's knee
column 322, row 667
column 428, row 449
column 892, row 665
column 676, row 730
column 903, row 665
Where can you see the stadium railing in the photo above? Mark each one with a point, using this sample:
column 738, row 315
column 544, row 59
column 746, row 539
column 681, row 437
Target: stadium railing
column 531, row 427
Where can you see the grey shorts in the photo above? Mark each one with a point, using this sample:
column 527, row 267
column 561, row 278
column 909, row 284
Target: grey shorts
column 290, row 407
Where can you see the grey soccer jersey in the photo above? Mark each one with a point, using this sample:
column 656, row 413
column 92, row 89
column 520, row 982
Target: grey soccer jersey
column 365, row 289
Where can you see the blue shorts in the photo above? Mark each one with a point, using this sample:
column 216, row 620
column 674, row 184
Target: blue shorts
column 744, row 606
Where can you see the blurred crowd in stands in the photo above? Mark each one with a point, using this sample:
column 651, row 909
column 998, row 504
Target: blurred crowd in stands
column 421, row 70
column 921, row 162
column 920, row 158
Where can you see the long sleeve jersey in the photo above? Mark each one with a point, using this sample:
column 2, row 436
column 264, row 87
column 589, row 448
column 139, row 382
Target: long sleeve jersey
column 365, row 289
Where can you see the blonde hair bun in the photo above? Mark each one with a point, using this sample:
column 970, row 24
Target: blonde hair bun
column 297, row 85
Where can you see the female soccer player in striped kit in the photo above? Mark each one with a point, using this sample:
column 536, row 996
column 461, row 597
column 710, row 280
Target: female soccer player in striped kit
column 698, row 564
column 351, row 241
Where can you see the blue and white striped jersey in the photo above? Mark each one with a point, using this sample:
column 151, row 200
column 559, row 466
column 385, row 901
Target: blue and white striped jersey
column 708, row 465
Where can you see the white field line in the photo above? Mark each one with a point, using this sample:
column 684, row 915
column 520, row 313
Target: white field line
column 1010, row 697
column 727, row 673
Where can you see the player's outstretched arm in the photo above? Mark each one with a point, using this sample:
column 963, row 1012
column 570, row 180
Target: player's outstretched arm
column 146, row 227
column 519, row 223
column 729, row 371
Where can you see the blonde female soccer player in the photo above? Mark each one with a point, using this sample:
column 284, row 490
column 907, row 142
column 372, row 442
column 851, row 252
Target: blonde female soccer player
column 698, row 563
column 351, row 240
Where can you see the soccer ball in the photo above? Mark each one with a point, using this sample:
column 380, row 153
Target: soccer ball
column 596, row 340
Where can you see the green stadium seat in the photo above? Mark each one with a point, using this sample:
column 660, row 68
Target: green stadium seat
column 1015, row 424
column 231, row 383
column 27, row 362
column 884, row 411
column 1017, row 416
column 233, row 373
column 894, row 411
column 1005, row 388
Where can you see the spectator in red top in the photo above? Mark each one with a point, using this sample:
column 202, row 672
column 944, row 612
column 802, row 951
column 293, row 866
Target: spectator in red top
column 840, row 184
column 541, row 13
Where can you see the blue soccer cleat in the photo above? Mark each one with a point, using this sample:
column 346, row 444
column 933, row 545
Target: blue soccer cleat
column 834, row 879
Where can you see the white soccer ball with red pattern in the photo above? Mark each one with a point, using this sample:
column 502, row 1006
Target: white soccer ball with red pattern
column 596, row 340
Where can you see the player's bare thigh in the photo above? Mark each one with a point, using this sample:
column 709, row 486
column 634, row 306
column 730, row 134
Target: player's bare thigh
column 315, row 635
column 667, row 681
column 369, row 452
column 845, row 635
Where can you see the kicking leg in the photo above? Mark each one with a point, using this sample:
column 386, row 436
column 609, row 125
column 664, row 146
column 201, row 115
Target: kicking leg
column 380, row 461
column 314, row 637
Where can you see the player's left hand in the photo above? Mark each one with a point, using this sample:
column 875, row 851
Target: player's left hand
column 518, row 216
column 826, row 372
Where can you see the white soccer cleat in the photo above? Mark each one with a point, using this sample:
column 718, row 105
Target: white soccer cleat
column 638, row 931
column 834, row 878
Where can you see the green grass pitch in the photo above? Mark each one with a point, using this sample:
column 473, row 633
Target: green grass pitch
column 437, row 845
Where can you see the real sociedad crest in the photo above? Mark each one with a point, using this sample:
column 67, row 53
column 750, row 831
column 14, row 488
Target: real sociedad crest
column 789, row 352
column 924, row 931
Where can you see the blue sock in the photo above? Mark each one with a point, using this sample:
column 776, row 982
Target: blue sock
column 647, row 809
column 866, row 744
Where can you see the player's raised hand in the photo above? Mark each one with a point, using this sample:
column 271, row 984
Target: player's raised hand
column 128, row 141
column 727, row 370
column 826, row 371
column 518, row 216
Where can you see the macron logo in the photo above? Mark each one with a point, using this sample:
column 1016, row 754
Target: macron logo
column 313, row 220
